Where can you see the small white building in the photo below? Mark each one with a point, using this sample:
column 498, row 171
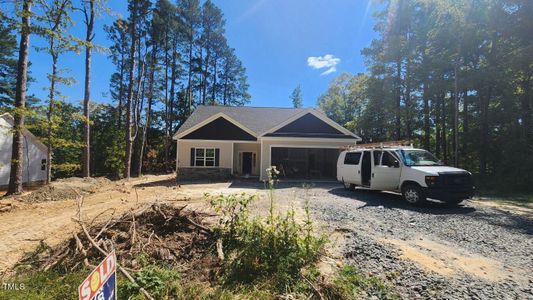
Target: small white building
column 34, row 162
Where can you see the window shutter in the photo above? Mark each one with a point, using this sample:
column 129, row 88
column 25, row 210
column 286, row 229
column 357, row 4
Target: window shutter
column 192, row 157
column 217, row 157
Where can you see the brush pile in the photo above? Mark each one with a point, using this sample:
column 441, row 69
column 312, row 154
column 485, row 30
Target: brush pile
column 167, row 234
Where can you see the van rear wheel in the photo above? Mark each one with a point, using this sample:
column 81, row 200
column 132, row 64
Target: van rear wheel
column 413, row 194
column 348, row 186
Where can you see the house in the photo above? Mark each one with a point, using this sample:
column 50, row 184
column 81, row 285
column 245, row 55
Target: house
column 34, row 162
column 222, row 141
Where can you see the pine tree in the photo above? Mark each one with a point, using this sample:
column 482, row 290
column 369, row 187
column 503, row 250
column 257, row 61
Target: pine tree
column 296, row 97
column 15, row 177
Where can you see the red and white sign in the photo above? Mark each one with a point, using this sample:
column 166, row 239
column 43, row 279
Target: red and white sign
column 93, row 284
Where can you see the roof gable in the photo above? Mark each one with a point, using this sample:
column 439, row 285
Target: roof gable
column 267, row 121
column 220, row 129
column 309, row 124
column 257, row 119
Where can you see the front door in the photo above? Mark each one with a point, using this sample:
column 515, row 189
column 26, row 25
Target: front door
column 386, row 173
column 247, row 163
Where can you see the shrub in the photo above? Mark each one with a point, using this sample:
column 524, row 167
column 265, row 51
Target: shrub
column 273, row 248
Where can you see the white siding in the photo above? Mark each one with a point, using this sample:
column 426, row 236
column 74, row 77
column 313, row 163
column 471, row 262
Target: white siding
column 33, row 154
column 184, row 152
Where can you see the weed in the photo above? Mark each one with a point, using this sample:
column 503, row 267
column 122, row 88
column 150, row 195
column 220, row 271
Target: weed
column 271, row 249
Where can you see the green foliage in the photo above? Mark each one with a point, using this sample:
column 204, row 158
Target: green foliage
column 422, row 50
column 273, row 249
column 45, row 285
column 158, row 281
column 8, row 63
column 297, row 98
column 349, row 283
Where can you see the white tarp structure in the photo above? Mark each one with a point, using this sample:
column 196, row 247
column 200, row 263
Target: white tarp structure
column 34, row 162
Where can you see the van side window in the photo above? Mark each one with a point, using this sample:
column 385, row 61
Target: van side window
column 377, row 156
column 389, row 160
column 352, row 158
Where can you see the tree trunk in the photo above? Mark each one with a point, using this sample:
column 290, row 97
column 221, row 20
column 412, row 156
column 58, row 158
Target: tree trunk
column 120, row 91
column 465, row 124
column 204, row 86
column 50, row 114
column 148, row 111
column 87, row 96
column 408, row 104
column 526, row 107
column 438, row 128
column 427, row 132
column 214, row 79
column 484, row 107
column 170, row 110
column 15, row 176
column 444, row 129
column 129, row 102
column 456, row 119
column 189, row 88
column 398, row 99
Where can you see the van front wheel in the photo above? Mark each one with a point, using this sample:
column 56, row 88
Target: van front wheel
column 413, row 194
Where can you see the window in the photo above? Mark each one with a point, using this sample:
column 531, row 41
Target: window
column 43, row 164
column 389, row 160
column 204, row 157
column 352, row 158
column 377, row 156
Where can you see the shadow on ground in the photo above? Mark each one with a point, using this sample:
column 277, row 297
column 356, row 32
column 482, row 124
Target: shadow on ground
column 392, row 200
column 520, row 223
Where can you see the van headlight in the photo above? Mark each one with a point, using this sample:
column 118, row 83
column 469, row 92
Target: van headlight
column 431, row 180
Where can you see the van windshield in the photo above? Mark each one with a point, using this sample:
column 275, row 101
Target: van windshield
column 419, row 158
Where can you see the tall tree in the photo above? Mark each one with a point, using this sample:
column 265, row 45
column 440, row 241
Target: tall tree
column 296, row 97
column 8, row 63
column 88, row 9
column 56, row 21
column 138, row 10
column 15, row 177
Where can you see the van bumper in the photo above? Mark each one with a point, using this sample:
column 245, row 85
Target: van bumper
column 449, row 193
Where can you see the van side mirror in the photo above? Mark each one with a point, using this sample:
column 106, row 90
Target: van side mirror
column 395, row 163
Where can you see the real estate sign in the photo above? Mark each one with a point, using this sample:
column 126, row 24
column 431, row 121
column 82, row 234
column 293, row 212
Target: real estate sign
column 101, row 283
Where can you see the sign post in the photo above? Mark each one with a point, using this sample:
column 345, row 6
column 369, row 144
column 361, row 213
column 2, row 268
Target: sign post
column 101, row 284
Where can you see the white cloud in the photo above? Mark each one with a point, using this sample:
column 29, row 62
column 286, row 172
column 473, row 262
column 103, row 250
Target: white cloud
column 328, row 62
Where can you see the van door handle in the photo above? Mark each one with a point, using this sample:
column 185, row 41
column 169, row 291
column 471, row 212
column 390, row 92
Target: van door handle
column 372, row 175
column 359, row 172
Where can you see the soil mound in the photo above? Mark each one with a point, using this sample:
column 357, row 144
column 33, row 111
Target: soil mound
column 65, row 189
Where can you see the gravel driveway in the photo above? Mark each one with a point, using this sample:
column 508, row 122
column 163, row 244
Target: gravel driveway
column 473, row 251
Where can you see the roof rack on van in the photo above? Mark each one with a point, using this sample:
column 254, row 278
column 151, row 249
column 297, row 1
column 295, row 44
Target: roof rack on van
column 380, row 145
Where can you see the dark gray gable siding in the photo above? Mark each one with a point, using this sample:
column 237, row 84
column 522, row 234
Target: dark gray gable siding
column 220, row 129
column 309, row 126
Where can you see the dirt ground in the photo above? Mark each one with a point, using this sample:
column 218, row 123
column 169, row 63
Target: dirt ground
column 46, row 214
column 484, row 248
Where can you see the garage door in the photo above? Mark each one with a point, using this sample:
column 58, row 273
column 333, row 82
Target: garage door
column 305, row 163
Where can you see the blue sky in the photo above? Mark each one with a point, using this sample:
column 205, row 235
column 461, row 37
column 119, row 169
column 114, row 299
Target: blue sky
column 282, row 44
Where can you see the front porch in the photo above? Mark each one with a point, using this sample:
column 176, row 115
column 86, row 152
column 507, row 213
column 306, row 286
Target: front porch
column 218, row 160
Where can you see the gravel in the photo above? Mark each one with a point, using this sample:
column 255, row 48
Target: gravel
column 368, row 220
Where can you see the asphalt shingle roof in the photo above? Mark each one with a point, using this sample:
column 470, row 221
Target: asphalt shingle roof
column 257, row 119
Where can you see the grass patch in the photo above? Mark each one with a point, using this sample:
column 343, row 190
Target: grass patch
column 349, row 283
column 44, row 285
column 521, row 200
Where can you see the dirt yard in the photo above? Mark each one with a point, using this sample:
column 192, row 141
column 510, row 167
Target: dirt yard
column 478, row 250
column 46, row 214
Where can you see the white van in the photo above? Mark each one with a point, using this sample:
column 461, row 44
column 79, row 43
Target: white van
column 416, row 173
